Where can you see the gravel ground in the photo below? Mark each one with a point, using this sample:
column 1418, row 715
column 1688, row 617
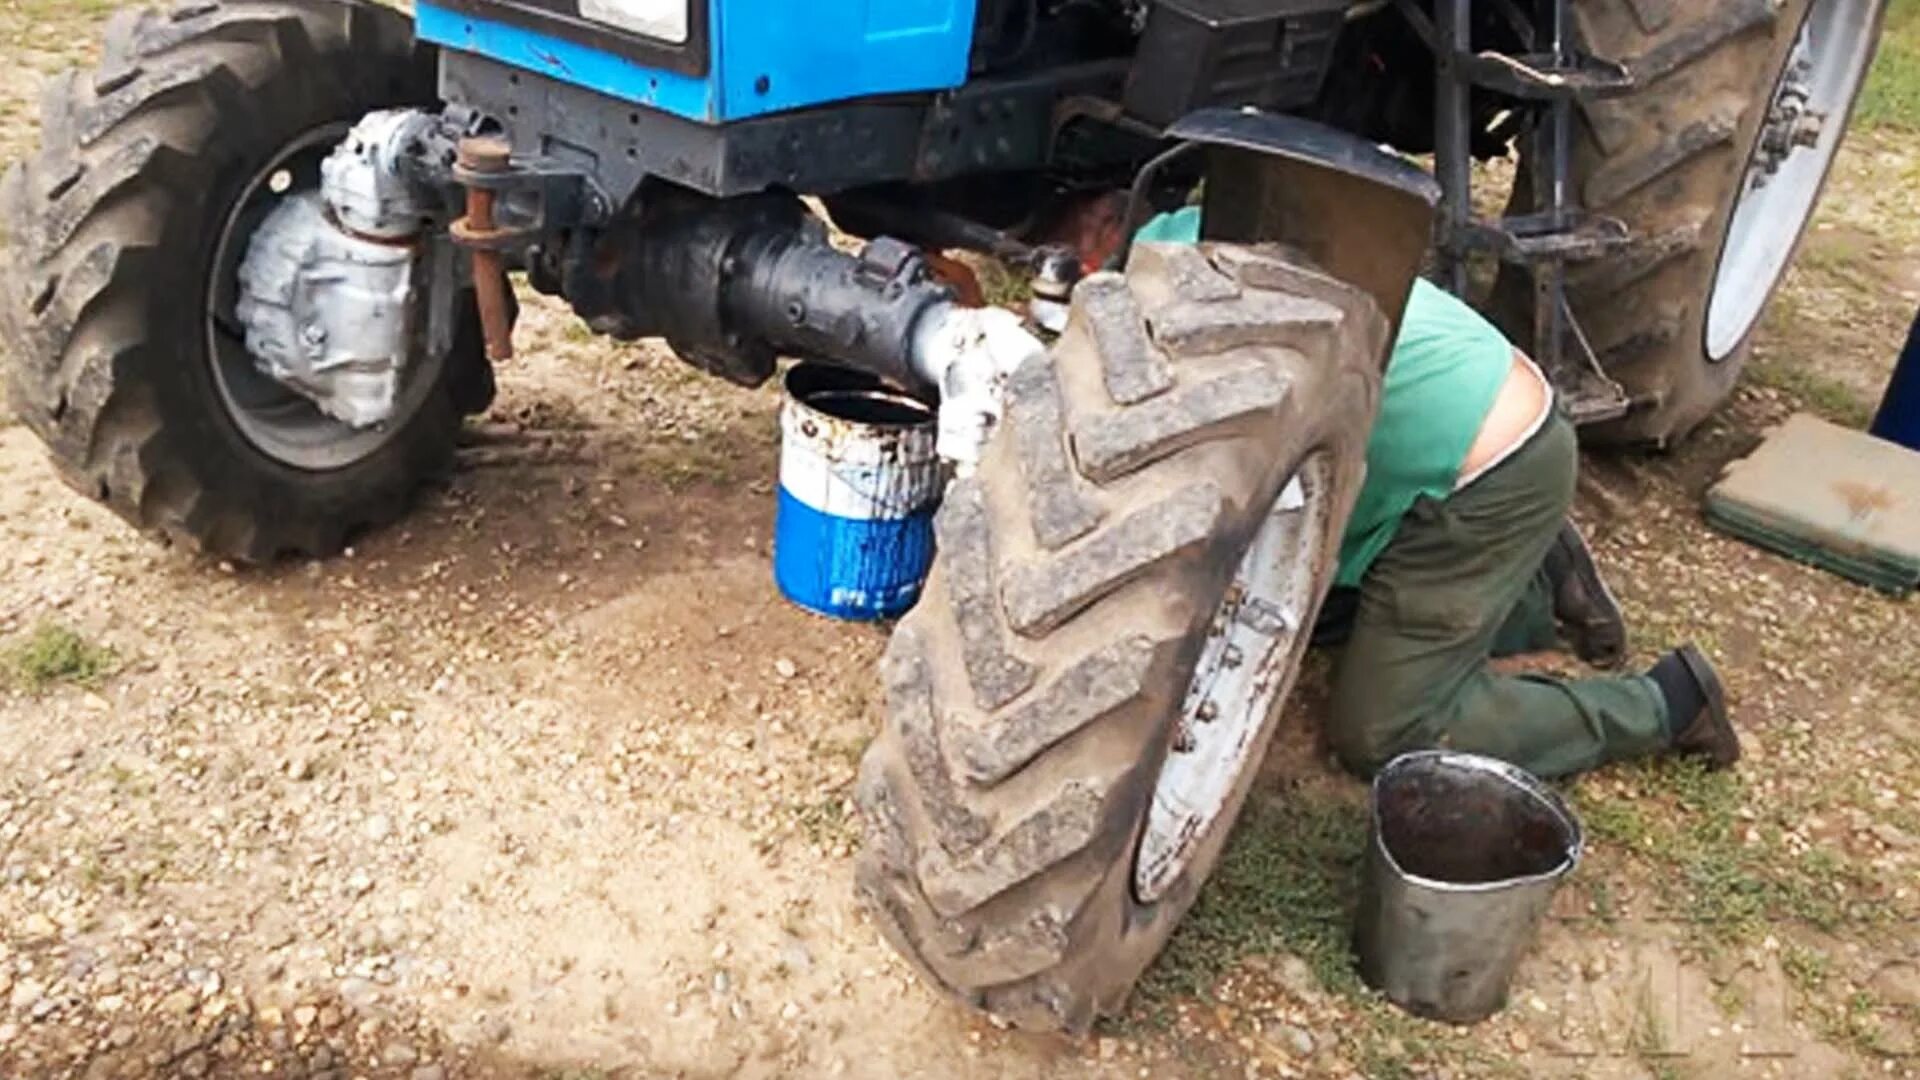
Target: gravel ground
column 547, row 782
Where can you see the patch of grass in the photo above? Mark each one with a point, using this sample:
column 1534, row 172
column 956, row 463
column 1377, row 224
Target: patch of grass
column 1805, row 968
column 1392, row 1046
column 1285, row 885
column 1851, row 1020
column 1702, row 870
column 724, row 457
column 1892, row 95
column 1282, row 886
column 1819, row 393
column 53, row 653
column 847, row 752
column 1002, row 285
column 1723, row 870
column 826, row 823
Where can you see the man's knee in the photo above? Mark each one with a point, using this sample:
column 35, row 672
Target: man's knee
column 1367, row 732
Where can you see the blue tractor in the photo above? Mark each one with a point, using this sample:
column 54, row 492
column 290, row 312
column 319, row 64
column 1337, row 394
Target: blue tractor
column 258, row 274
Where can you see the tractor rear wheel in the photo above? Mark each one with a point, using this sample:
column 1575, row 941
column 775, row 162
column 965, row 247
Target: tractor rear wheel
column 1078, row 707
column 125, row 234
column 1716, row 163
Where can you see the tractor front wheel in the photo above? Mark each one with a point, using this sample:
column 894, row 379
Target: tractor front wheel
column 126, row 232
column 1079, row 705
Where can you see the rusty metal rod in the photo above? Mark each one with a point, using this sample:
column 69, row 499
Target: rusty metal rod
column 488, row 155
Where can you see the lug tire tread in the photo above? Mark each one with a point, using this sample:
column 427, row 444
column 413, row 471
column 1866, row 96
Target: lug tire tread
column 100, row 221
column 1003, row 812
column 1668, row 160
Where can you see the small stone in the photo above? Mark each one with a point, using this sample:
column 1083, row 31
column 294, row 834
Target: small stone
column 399, row 1053
column 304, row 1016
column 1298, row 978
column 797, row 956
column 378, row 827
column 37, row 925
column 785, row 668
column 179, row 1003
column 1298, row 1040
column 357, row 992
column 194, row 1065
column 722, row 982
column 359, row 884
column 1892, row 837
column 790, row 1011
column 1109, row 1048
column 720, row 951
column 26, row 992
column 300, row 768
column 1520, row 1042
column 431, row 1071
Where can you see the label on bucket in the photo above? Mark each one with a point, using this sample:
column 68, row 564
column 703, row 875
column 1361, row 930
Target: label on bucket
column 854, row 534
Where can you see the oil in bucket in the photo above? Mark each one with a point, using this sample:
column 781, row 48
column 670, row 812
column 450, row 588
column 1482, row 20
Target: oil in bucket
column 1464, row 857
column 859, row 482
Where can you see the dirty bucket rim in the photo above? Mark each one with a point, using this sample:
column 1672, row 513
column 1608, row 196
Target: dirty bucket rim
column 1526, row 781
column 834, row 381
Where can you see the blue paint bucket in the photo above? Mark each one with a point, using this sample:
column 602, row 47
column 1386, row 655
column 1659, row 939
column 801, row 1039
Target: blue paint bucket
column 860, row 479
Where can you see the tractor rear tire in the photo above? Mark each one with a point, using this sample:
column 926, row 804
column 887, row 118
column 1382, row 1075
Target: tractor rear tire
column 112, row 229
column 1671, row 161
column 1034, row 694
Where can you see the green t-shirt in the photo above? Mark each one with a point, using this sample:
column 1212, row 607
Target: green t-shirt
column 1446, row 371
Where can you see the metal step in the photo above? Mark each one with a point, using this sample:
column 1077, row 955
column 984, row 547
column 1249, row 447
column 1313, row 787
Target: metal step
column 1572, row 236
column 1592, row 400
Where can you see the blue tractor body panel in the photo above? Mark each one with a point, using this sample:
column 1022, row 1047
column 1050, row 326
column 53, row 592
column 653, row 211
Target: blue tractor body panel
column 766, row 55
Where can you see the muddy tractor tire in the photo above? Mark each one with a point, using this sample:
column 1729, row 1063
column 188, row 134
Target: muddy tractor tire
column 1208, row 411
column 124, row 234
column 1674, row 161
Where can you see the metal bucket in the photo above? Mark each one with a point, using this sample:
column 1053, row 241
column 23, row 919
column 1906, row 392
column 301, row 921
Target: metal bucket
column 859, row 482
column 1465, row 855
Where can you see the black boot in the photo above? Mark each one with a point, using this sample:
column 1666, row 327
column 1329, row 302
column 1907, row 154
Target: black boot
column 1584, row 607
column 1696, row 707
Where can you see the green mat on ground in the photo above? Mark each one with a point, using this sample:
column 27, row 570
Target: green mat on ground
column 1837, row 498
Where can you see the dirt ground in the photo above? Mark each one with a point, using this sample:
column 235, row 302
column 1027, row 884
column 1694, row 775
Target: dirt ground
column 547, row 781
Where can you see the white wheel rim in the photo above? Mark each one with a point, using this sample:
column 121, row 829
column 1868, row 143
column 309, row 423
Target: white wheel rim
column 1244, row 671
column 1823, row 76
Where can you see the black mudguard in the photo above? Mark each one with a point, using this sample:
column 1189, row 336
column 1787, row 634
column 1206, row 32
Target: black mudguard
column 1360, row 212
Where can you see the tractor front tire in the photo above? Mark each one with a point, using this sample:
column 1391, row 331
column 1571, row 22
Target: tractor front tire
column 1671, row 160
column 112, row 231
column 1035, row 694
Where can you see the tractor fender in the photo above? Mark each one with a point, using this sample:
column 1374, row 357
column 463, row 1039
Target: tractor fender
column 1358, row 211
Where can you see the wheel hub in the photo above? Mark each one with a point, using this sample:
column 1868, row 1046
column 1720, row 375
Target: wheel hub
column 1792, row 122
column 1244, row 670
column 327, row 285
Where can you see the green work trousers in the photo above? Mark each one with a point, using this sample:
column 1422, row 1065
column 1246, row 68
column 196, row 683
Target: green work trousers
column 1463, row 581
